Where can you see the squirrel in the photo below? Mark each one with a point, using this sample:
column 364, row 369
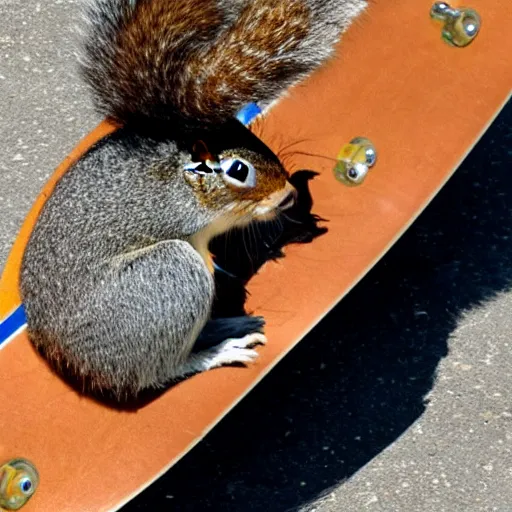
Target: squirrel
column 116, row 279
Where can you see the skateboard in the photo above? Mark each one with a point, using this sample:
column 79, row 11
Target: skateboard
column 422, row 103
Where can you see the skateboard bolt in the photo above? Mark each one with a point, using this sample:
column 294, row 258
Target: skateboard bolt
column 460, row 26
column 26, row 485
column 18, row 482
column 354, row 161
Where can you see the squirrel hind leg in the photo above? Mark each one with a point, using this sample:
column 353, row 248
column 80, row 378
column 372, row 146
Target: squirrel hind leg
column 131, row 324
column 230, row 352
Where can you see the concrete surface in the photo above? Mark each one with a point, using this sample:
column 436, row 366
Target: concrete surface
column 398, row 402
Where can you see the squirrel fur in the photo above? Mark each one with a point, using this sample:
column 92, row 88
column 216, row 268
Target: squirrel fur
column 116, row 279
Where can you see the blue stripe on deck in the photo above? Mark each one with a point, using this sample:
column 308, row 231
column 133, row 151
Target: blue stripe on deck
column 12, row 323
column 247, row 113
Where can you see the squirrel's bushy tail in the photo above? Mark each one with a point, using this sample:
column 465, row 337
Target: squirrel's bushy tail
column 202, row 60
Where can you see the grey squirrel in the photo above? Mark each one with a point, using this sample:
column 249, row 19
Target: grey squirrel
column 116, row 279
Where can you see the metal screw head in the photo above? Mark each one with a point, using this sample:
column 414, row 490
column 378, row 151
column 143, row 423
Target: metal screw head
column 370, row 153
column 357, row 172
column 470, row 25
column 460, row 26
column 439, row 9
column 18, row 482
column 25, row 485
column 371, row 156
column 354, row 161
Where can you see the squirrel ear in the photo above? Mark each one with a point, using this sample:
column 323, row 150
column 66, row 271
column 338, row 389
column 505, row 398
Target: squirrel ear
column 201, row 153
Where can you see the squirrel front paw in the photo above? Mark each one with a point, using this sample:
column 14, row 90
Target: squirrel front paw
column 228, row 352
column 239, row 350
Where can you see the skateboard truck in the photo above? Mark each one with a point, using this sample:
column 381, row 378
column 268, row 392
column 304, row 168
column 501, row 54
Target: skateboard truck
column 18, row 482
column 460, row 26
column 354, row 161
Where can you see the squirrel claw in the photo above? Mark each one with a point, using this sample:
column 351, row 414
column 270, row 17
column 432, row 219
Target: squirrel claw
column 248, row 341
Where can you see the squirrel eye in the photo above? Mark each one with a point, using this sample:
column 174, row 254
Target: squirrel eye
column 239, row 172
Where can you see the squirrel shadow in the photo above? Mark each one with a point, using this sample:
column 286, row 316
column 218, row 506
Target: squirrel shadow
column 239, row 254
column 358, row 381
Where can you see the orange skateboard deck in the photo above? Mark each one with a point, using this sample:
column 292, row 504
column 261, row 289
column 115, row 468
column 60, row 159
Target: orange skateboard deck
column 423, row 104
